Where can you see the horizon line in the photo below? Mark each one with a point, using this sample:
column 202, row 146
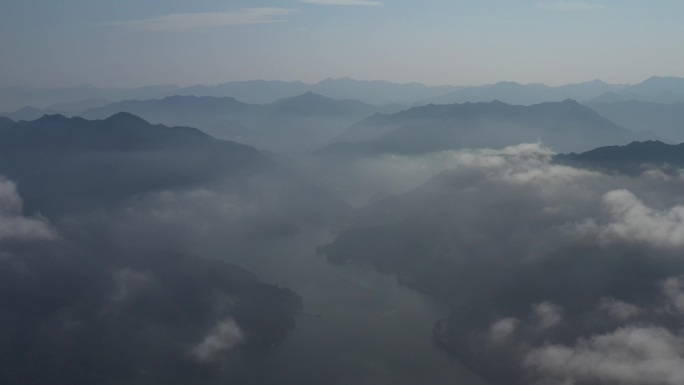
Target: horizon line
column 89, row 85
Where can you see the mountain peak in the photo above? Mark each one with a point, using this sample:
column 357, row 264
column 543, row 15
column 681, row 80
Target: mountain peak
column 311, row 94
column 126, row 118
column 662, row 82
column 647, row 143
column 307, row 97
column 51, row 119
column 508, row 84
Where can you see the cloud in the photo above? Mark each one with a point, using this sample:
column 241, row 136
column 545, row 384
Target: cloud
column 673, row 290
column 547, row 314
column 186, row 21
column 571, row 6
column 517, row 206
column 224, row 337
column 343, row 2
column 618, row 309
column 14, row 226
column 632, row 221
column 501, row 330
column 128, row 282
column 523, row 164
column 630, row 355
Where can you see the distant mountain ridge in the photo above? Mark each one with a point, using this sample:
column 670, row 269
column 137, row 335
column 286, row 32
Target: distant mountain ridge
column 564, row 126
column 312, row 104
column 656, row 89
column 370, row 92
column 666, row 120
column 295, row 123
column 529, row 94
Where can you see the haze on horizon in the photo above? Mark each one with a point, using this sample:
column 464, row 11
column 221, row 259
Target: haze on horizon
column 138, row 43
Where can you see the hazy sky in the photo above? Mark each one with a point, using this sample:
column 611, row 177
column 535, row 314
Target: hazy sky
column 143, row 42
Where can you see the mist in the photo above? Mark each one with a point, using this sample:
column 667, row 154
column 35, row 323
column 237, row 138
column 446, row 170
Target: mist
column 317, row 239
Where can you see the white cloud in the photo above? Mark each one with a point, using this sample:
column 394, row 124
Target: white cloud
column 224, row 337
column 628, row 356
column 185, row 21
column 528, row 163
column 13, row 225
column 571, row 6
column 673, row 288
column 502, row 329
column 343, row 2
column 633, row 221
column 618, row 309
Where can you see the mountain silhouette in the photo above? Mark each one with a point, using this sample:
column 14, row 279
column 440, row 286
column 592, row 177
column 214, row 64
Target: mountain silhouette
column 632, row 159
column 563, row 126
column 290, row 124
column 64, row 165
column 665, row 120
column 656, row 89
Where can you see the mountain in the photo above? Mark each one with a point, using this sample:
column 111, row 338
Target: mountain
column 27, row 113
column 508, row 92
column 446, row 238
column 379, row 93
column 74, row 108
column 96, row 299
column 579, row 91
column 306, row 122
column 312, row 105
column 665, row 120
column 631, row 159
column 515, row 93
column 542, row 264
column 180, row 110
column 12, row 98
column 66, row 165
column 371, row 92
column 253, row 91
column 80, row 311
column 291, row 124
column 69, row 164
column 499, row 334
column 563, row 126
column 656, row 89
column 224, row 118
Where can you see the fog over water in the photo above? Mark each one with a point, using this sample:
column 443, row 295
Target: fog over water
column 358, row 326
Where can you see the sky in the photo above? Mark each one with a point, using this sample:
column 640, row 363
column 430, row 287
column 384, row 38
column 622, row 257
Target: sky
column 130, row 43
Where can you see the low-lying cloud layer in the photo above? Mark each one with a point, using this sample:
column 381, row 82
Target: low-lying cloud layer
column 630, row 355
column 121, row 297
column 633, row 353
column 631, row 221
column 14, row 226
column 568, row 275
